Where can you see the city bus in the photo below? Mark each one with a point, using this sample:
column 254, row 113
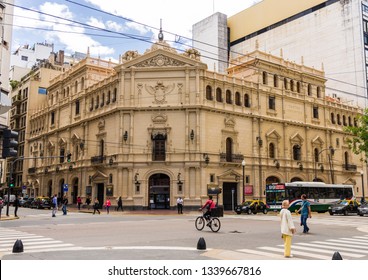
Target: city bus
column 316, row 191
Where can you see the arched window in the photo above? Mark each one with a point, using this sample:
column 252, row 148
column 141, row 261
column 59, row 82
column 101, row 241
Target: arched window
column 271, row 150
column 229, row 149
column 218, row 95
column 228, row 97
column 102, row 99
column 298, row 87
column 209, row 93
column 344, row 120
column 285, row 83
column 237, row 98
column 291, row 85
column 76, row 87
column 309, row 89
column 338, row 119
column 108, row 97
column 246, row 100
column 349, row 121
column 114, row 95
column 319, row 92
column 97, row 101
column 296, row 152
column 82, row 83
column 333, row 118
column 275, row 81
column 91, row 105
column 264, row 78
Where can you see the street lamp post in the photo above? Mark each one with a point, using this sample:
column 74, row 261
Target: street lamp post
column 316, row 160
column 242, row 195
column 361, row 174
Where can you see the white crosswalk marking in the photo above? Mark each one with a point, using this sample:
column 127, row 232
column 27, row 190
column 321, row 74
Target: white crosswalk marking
column 352, row 248
column 31, row 242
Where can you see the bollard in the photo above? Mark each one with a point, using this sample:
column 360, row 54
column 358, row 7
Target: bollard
column 18, row 246
column 336, row 256
column 201, row 245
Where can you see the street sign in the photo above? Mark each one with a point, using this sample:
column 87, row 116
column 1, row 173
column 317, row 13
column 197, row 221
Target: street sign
column 24, row 187
column 65, row 187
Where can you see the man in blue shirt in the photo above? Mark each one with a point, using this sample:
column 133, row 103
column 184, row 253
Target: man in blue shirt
column 305, row 212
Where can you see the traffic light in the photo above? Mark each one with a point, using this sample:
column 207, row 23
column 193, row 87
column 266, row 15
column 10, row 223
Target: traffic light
column 11, row 183
column 10, row 143
column 69, row 157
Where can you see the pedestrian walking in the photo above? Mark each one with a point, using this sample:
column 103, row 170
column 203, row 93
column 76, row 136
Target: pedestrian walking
column 96, row 205
column 16, row 205
column 287, row 228
column 1, row 206
column 79, row 202
column 120, row 204
column 305, row 212
column 54, row 205
column 88, row 202
column 65, row 203
column 108, row 205
column 179, row 203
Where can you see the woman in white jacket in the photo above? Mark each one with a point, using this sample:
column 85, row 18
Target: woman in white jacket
column 287, row 228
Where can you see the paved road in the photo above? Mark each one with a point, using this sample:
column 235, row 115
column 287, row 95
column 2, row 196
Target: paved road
column 166, row 235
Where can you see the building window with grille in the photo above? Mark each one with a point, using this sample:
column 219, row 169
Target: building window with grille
column 52, row 118
column 62, row 155
column 229, row 149
column 264, row 78
column 271, row 102
column 333, row 118
column 159, row 147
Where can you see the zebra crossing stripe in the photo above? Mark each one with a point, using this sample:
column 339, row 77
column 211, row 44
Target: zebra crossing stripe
column 352, row 239
column 17, row 236
column 323, row 251
column 333, row 247
column 260, row 253
column 341, row 244
column 357, row 242
column 48, row 240
column 298, row 253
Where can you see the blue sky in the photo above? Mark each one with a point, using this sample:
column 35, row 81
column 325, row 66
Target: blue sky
column 111, row 27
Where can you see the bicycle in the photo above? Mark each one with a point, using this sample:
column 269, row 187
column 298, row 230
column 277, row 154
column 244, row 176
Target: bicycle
column 213, row 222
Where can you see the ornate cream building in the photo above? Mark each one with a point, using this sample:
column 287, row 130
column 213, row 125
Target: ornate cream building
column 159, row 126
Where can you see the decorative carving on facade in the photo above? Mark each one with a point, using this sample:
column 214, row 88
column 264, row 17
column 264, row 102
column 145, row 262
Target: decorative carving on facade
column 101, row 124
column 160, row 61
column 229, row 122
column 159, row 118
column 193, row 54
column 129, row 55
column 159, row 91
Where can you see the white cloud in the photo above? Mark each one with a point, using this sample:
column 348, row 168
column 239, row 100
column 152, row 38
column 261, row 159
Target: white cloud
column 95, row 22
column 112, row 25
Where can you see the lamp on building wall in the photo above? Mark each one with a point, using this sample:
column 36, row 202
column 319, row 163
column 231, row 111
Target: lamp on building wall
column 191, row 135
column 137, row 183
column 125, row 136
column 111, row 161
column 277, row 164
column 300, row 165
column 206, row 158
column 363, row 194
column 260, row 141
column 81, row 145
column 180, row 183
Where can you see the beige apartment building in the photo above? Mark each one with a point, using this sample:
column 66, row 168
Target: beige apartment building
column 159, row 125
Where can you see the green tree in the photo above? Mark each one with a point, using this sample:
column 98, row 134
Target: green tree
column 358, row 141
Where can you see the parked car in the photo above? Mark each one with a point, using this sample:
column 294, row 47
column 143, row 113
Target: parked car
column 41, row 203
column 252, row 207
column 344, row 207
column 315, row 206
column 28, row 202
column 22, row 200
column 363, row 209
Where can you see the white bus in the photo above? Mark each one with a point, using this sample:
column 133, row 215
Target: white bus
column 317, row 191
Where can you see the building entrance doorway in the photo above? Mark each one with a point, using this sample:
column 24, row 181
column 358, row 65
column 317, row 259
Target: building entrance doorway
column 159, row 191
column 230, row 195
column 100, row 194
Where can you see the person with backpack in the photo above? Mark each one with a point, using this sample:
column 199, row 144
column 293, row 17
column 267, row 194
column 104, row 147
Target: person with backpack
column 209, row 205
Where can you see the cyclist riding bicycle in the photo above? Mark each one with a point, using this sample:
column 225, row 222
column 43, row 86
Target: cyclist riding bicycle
column 209, row 205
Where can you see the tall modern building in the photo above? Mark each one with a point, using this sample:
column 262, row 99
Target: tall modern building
column 330, row 34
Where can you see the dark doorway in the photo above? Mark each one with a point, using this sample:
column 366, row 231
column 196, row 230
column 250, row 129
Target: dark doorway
column 230, row 195
column 100, row 194
column 159, row 192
